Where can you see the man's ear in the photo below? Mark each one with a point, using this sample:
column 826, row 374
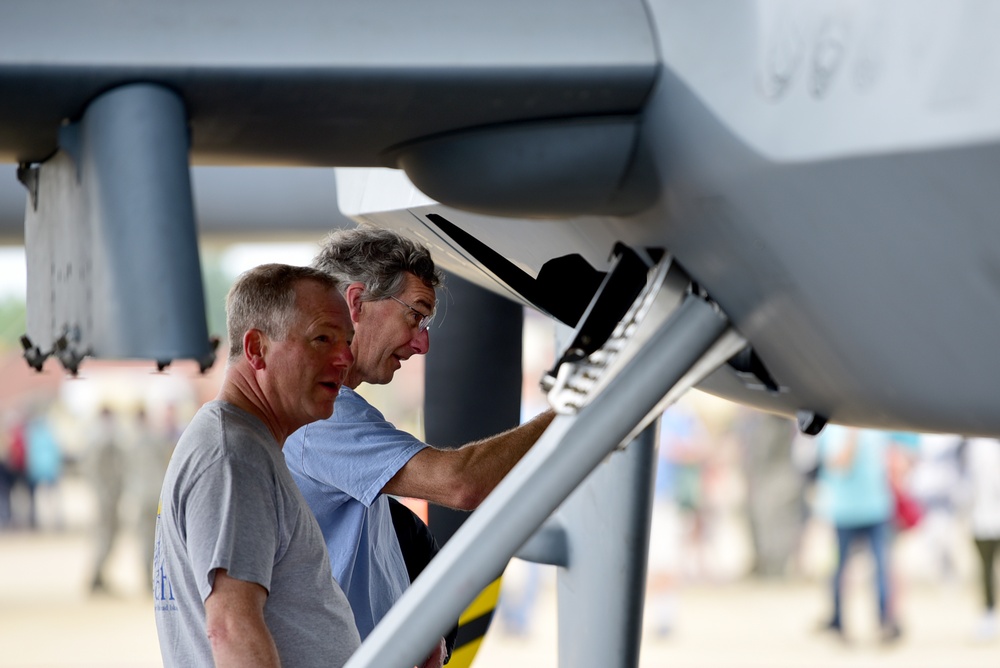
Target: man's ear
column 353, row 296
column 255, row 348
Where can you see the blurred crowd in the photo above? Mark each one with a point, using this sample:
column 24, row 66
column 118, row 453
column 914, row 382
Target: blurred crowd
column 739, row 493
column 853, row 509
column 121, row 458
column 92, row 458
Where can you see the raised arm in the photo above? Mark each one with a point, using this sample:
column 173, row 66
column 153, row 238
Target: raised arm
column 462, row 478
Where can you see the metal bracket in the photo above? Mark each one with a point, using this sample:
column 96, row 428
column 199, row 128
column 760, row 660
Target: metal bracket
column 65, row 350
column 27, row 174
column 621, row 285
column 32, row 354
column 577, row 376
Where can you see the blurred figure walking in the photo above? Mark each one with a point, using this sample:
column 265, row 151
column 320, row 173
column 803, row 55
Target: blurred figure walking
column 148, row 452
column 856, row 496
column 21, row 490
column 982, row 462
column 44, row 467
column 7, row 473
column 936, row 483
column 677, row 523
column 104, row 464
column 775, row 504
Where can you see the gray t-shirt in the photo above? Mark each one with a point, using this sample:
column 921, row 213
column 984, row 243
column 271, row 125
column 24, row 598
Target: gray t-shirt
column 229, row 502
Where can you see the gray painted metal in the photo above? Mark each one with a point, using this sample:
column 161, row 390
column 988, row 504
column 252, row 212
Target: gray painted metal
column 322, row 83
column 824, row 170
column 125, row 280
column 549, row 545
column 550, row 169
column 568, row 451
column 600, row 614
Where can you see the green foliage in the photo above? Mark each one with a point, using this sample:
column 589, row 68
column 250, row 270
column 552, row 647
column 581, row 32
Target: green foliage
column 216, row 284
column 13, row 322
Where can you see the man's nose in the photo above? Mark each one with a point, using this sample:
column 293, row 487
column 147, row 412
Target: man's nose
column 421, row 343
column 343, row 356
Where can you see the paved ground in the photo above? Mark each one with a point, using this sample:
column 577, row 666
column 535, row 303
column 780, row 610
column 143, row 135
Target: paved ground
column 47, row 619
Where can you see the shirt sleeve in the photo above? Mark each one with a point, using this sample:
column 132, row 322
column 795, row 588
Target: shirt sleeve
column 231, row 522
column 356, row 451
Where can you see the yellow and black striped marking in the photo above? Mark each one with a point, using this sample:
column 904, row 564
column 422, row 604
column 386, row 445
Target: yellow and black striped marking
column 472, row 625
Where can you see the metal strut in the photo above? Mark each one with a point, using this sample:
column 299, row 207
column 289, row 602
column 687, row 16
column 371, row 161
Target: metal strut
column 669, row 343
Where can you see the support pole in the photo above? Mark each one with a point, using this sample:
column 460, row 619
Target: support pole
column 133, row 144
column 112, row 248
column 602, row 592
column 569, row 450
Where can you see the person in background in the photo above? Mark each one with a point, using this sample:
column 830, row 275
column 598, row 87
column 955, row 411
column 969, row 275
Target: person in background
column 855, row 495
column 241, row 573
column 148, row 455
column 44, row 468
column 347, row 465
column 674, row 525
column 104, row 466
column 934, row 483
column 982, row 465
column 775, row 490
column 7, row 474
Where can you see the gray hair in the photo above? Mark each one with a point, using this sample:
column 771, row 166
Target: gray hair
column 264, row 298
column 380, row 259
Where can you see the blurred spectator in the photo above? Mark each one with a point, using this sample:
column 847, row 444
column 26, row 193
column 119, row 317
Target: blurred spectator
column 104, row 463
column 855, row 495
column 43, row 467
column 684, row 448
column 677, row 515
column 21, row 489
column 148, row 449
column 982, row 458
column 935, row 482
column 6, row 473
column 775, row 489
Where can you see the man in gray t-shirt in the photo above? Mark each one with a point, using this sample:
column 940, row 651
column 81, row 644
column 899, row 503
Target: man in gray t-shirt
column 241, row 575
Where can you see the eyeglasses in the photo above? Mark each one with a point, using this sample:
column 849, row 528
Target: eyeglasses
column 425, row 318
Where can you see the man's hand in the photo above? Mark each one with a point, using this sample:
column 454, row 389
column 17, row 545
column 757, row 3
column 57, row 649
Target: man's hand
column 436, row 659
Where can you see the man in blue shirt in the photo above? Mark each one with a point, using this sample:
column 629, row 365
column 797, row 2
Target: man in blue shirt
column 346, row 465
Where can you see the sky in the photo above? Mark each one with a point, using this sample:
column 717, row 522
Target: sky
column 13, row 272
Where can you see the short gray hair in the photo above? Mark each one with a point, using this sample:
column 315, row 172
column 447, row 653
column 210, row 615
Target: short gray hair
column 264, row 298
column 380, row 259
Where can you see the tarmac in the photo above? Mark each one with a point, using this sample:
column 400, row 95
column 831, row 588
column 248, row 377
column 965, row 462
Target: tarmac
column 49, row 619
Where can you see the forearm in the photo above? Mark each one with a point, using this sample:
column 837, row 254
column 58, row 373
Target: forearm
column 520, row 438
column 490, row 459
column 462, row 478
column 254, row 648
column 234, row 623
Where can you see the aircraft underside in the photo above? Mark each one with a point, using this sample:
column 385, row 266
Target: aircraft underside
column 823, row 174
column 792, row 205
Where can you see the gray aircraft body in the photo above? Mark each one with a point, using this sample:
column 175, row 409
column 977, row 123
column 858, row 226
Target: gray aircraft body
column 820, row 175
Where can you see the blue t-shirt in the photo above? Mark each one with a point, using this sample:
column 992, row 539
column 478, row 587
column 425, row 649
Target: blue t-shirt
column 860, row 494
column 341, row 465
